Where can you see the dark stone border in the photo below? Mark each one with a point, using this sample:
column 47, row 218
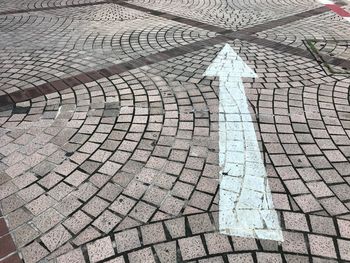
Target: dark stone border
column 250, row 30
column 246, row 34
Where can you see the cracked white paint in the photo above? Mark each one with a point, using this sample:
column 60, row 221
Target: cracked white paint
column 245, row 205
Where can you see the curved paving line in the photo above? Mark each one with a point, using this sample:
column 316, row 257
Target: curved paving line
column 21, row 11
column 225, row 35
column 195, row 237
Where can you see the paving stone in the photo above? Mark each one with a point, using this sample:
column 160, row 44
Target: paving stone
column 127, row 240
column 296, row 258
column 243, row 257
column 200, row 223
column 47, row 220
column 344, row 249
column 217, row 243
column 142, row 211
column 153, row 233
column 34, row 252
column 322, row 246
column 106, row 221
column 166, row 252
column 295, row 221
column 55, row 237
column 308, row 203
column 244, row 244
column 86, row 235
column 200, row 200
column 143, row 255
column 74, row 256
column 294, row 242
column 322, row 225
column 11, row 203
column 269, row 257
column 344, row 228
column 176, row 227
column 172, row 205
column 18, row 217
column 100, row 249
column 191, row 247
column 95, row 206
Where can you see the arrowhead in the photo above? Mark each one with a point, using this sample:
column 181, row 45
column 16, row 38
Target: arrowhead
column 228, row 64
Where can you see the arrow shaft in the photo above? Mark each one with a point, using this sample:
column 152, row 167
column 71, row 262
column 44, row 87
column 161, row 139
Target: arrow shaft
column 246, row 207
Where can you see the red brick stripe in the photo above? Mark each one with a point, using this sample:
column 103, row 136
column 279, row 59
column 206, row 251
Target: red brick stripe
column 339, row 10
column 8, row 250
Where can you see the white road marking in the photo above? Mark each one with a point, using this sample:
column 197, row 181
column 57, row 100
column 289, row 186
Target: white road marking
column 245, row 205
column 326, row 2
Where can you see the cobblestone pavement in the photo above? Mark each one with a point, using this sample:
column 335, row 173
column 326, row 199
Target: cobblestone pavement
column 109, row 129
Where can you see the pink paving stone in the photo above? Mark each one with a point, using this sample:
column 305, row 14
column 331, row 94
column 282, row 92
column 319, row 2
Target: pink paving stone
column 127, row 240
column 77, row 221
column 294, row 242
column 116, row 260
column 240, row 258
column 244, row 244
column 268, row 257
column 56, row 237
column 322, row 246
column 296, row 258
column 200, row 223
column 142, row 211
column 331, row 176
column 127, row 223
column 172, row 205
column 322, row 225
column 319, row 189
column 86, row 235
column 295, row 221
column 287, row 173
column 296, row 187
column 308, row 174
column 122, row 205
column 34, row 252
column 200, row 200
column 191, row 248
column 166, row 252
column 176, row 227
column 334, row 206
column 280, row 201
column 142, row 256
column 106, row 221
column 153, row 233
column 217, row 243
column 74, row 256
column 323, row 260
column 100, row 249
column 217, row 259
column 110, row 168
column 344, row 249
column 308, row 203
column 344, row 228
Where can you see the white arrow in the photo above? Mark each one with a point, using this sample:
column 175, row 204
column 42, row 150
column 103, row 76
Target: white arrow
column 245, row 205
